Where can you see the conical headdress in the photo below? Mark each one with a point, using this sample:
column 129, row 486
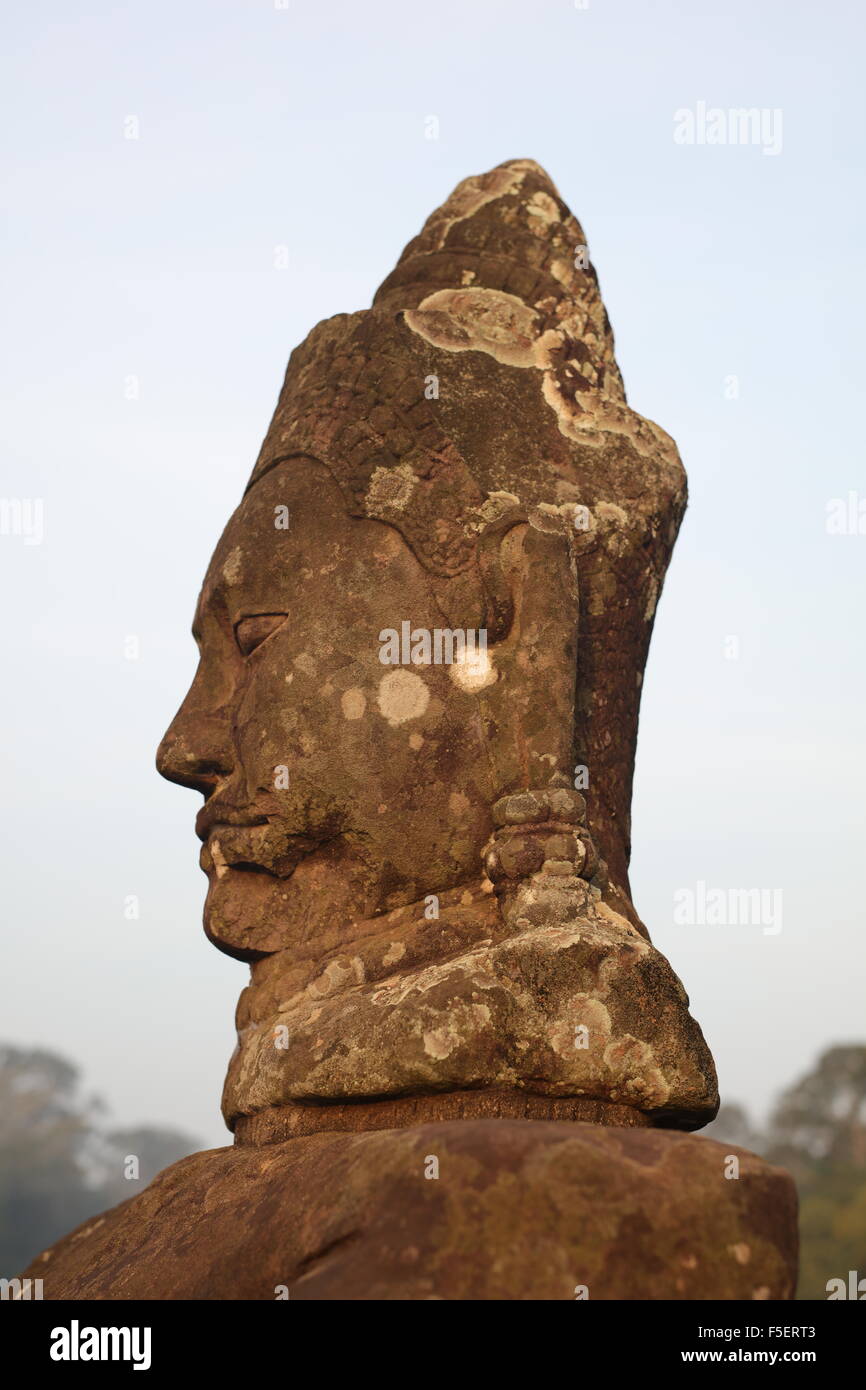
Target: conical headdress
column 495, row 301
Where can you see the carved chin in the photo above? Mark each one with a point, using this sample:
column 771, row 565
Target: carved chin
column 244, row 912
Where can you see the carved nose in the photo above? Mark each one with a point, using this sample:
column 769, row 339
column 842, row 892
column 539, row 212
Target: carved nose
column 195, row 754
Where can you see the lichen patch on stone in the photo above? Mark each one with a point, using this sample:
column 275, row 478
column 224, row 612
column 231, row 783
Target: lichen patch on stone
column 353, row 703
column 233, row 567
column 390, row 488
column 403, row 695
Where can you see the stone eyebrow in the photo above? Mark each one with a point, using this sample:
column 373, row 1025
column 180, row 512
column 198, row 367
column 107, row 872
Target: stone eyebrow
column 212, row 597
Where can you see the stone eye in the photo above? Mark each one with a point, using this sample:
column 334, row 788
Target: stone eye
column 251, row 632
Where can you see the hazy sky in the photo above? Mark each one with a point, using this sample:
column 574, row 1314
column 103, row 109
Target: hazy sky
column 148, row 327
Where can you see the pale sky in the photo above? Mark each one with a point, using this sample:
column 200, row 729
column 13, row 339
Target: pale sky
column 148, row 329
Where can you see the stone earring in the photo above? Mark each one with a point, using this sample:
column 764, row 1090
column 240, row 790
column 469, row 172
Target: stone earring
column 542, row 831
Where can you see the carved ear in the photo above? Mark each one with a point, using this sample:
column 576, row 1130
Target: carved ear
column 531, row 578
column 499, row 547
column 509, row 557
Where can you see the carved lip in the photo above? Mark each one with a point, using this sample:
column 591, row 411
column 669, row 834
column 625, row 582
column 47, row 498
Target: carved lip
column 214, row 817
column 221, row 860
column 252, row 847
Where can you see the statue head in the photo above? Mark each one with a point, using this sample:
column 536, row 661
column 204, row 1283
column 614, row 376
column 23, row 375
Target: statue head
column 422, row 639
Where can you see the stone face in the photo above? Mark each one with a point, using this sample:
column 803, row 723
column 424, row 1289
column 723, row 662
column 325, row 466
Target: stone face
column 463, row 1070
column 520, row 1209
column 423, row 630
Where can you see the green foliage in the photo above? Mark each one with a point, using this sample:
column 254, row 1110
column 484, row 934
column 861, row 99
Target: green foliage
column 57, row 1166
column 818, row 1132
column 832, row 1228
column 823, row 1115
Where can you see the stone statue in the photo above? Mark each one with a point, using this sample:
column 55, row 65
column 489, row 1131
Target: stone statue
column 422, row 637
